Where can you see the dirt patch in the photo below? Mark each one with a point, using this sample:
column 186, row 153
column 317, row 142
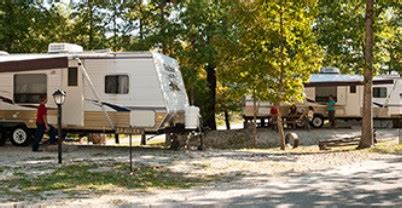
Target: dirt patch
column 268, row 138
column 228, row 139
column 91, row 173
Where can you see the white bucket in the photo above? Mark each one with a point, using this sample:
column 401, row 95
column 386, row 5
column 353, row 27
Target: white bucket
column 191, row 115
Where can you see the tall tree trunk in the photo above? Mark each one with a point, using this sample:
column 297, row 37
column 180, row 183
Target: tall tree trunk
column 162, row 23
column 9, row 14
column 227, row 119
column 254, row 135
column 211, row 79
column 91, row 29
column 141, row 22
column 281, row 84
column 366, row 140
column 281, row 131
column 115, row 28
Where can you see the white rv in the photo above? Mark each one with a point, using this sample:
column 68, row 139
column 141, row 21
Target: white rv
column 348, row 92
column 105, row 92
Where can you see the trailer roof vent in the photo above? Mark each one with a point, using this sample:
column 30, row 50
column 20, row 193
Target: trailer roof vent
column 329, row 70
column 3, row 53
column 64, row 48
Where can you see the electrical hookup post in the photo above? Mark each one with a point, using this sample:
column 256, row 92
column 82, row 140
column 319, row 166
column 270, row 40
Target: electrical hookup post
column 130, row 131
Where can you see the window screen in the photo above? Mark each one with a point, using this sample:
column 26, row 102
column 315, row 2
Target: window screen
column 28, row 88
column 72, row 76
column 380, row 92
column 322, row 93
column 116, row 84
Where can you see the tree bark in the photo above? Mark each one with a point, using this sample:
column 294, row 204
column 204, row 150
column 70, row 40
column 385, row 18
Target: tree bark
column 141, row 22
column 9, row 14
column 281, row 131
column 211, row 79
column 162, row 23
column 227, row 119
column 366, row 140
column 115, row 28
column 91, row 19
column 254, row 135
column 281, row 84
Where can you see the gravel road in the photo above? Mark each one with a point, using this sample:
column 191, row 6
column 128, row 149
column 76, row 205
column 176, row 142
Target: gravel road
column 248, row 178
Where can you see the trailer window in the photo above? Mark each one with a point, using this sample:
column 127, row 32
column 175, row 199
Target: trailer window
column 72, row 76
column 116, row 84
column 352, row 89
column 379, row 92
column 28, row 88
column 322, row 93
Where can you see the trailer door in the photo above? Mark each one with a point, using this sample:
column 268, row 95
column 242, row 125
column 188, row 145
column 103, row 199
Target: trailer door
column 353, row 103
column 73, row 108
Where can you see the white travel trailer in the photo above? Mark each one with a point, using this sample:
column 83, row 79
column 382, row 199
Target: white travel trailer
column 105, row 92
column 348, row 92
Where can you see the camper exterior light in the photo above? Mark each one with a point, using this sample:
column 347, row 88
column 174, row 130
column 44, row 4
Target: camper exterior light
column 59, row 96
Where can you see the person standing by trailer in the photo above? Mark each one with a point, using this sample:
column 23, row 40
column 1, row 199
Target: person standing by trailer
column 331, row 111
column 274, row 117
column 42, row 126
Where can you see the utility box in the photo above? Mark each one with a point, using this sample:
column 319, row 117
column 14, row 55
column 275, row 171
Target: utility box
column 192, row 114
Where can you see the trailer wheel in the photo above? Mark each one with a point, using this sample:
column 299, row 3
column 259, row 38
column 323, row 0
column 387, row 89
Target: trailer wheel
column 20, row 136
column 318, row 121
column 3, row 138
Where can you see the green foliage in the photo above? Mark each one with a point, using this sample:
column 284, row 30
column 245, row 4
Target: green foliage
column 340, row 31
column 237, row 42
column 255, row 60
column 16, row 20
column 89, row 27
column 387, row 148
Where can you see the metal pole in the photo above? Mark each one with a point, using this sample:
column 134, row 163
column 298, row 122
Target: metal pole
column 131, row 152
column 116, row 138
column 59, row 132
column 143, row 139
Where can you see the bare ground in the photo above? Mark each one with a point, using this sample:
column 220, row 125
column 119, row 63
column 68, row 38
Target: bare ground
column 250, row 177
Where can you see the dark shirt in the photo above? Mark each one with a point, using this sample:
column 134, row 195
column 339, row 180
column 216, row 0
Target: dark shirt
column 42, row 111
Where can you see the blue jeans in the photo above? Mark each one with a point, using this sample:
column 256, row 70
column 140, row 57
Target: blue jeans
column 39, row 132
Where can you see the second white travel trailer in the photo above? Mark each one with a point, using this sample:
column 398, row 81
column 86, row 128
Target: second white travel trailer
column 348, row 92
column 105, row 92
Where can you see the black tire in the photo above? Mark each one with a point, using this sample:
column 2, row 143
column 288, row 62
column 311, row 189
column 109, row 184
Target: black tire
column 21, row 136
column 3, row 138
column 318, row 121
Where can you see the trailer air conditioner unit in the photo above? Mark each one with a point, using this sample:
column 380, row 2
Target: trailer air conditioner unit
column 330, row 70
column 64, row 48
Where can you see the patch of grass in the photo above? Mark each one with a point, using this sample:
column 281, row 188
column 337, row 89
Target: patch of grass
column 387, row 148
column 83, row 177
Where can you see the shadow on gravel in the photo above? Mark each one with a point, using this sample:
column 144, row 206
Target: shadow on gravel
column 377, row 187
